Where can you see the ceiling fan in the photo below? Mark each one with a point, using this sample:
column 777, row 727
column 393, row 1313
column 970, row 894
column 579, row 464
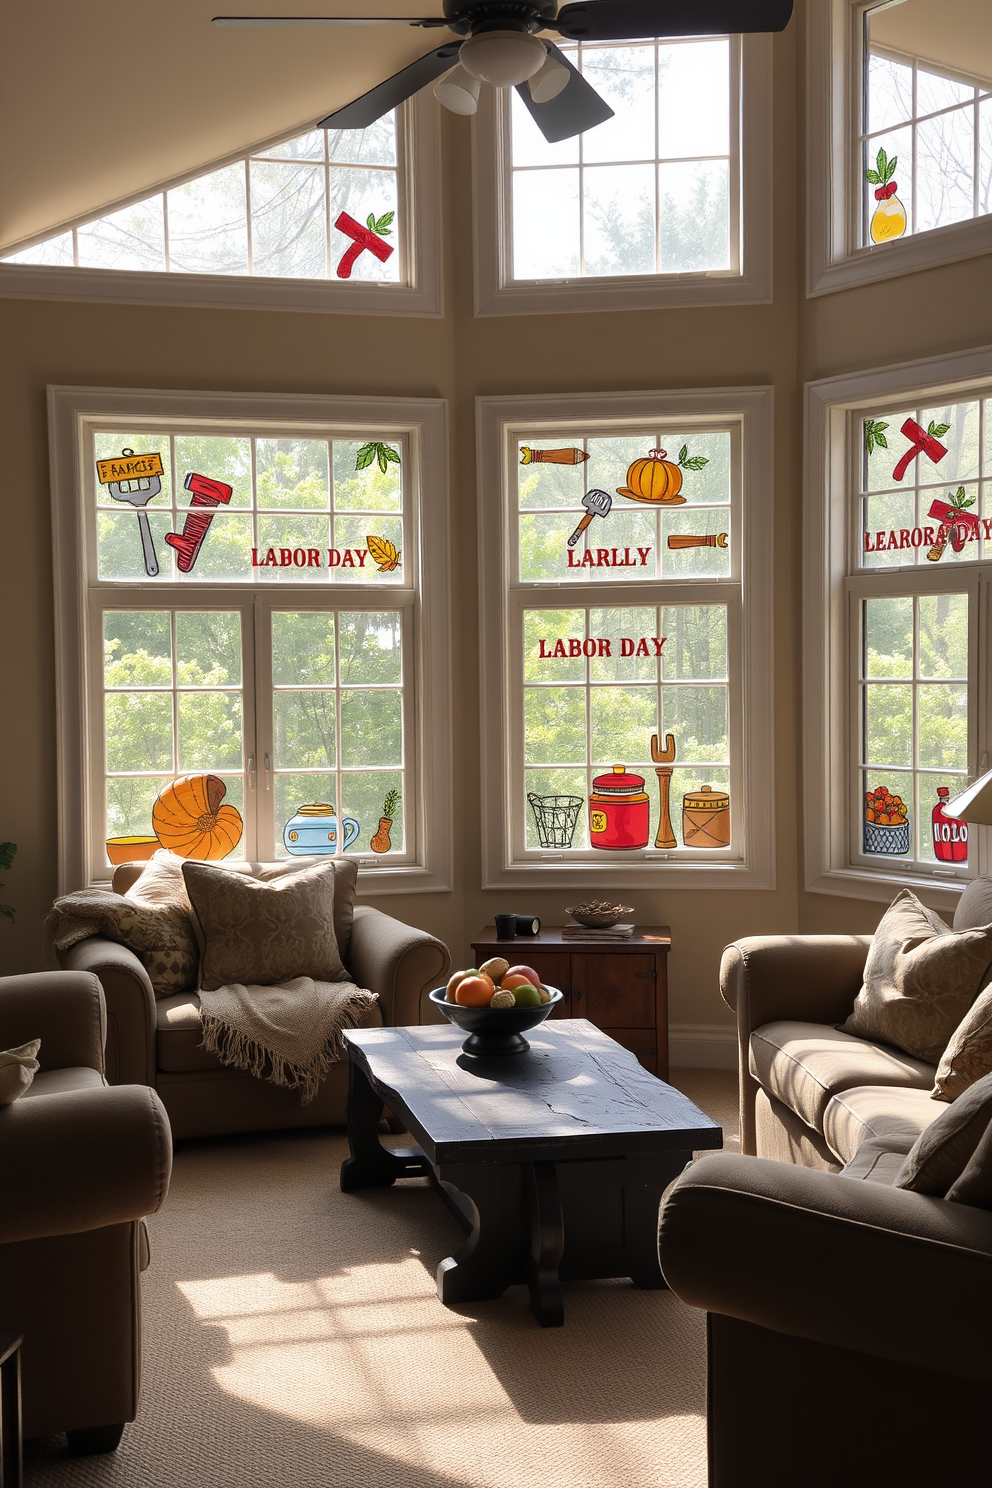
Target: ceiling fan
column 498, row 44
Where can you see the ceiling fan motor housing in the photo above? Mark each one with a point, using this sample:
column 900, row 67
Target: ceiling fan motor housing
column 479, row 16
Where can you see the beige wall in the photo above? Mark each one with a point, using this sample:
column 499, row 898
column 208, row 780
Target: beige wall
column 461, row 358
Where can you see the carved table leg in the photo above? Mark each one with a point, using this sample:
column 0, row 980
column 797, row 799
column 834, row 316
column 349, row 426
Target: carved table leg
column 371, row 1165
column 493, row 1256
column 547, row 1241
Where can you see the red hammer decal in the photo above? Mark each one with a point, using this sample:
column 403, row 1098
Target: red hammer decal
column 363, row 239
column 206, row 492
column 955, row 523
column 923, row 443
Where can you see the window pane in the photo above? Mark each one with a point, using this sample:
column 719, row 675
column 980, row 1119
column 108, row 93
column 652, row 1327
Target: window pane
column 944, row 635
column 934, row 92
column 371, row 647
column 985, row 158
column 227, row 460
column 694, row 216
column 885, row 519
column 544, row 545
column 697, row 716
column 945, row 841
column 300, row 545
column 888, row 725
column 52, row 251
column 695, row 642
column 556, row 813
column 120, row 551
column 545, row 224
column 371, row 727
column 613, row 625
column 707, row 555
column 376, row 545
column 554, row 725
column 943, row 711
column 528, row 145
column 959, row 435
column 139, row 731
column 890, row 93
column 887, row 813
column 303, row 649
column 369, row 489
column 541, row 628
column 889, row 637
column 308, row 146
column 304, row 729
column 624, row 77
column 363, row 194
column 945, row 153
column 622, row 720
column 208, row 229
column 287, row 220
column 208, row 648
column 694, row 98
column 209, row 730
column 129, row 805
column 293, row 790
column 137, row 649
column 225, row 552
column 133, row 238
column 292, row 473
column 619, row 222
column 374, row 798
column 375, row 145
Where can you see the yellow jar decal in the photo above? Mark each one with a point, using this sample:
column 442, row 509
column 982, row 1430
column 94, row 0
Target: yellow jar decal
column 597, row 821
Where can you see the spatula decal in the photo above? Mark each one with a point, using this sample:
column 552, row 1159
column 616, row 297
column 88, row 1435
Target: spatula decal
column 135, row 479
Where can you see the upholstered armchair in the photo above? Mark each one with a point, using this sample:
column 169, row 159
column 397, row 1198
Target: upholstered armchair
column 81, row 1164
column 157, row 1043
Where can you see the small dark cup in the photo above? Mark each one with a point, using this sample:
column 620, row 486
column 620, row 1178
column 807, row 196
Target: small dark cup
column 506, row 927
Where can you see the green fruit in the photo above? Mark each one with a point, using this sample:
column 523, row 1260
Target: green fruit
column 527, row 996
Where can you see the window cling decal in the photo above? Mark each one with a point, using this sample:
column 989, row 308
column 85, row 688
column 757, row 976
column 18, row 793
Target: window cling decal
column 888, row 221
column 135, row 479
column 363, row 238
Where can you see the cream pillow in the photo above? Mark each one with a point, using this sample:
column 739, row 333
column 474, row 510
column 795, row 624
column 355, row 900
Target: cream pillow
column 18, row 1068
column 920, row 979
column 939, row 1155
column 260, row 932
column 160, row 934
column 968, row 1056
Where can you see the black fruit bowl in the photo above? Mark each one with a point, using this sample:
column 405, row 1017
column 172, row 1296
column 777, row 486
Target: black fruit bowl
column 494, row 1030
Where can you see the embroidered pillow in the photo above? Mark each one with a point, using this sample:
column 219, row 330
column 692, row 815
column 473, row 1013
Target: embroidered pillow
column 968, row 1056
column 18, row 1068
column 264, row 933
column 920, row 979
column 161, row 935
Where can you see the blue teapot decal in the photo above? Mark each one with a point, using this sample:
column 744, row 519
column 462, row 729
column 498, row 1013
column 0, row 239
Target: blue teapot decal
column 314, row 829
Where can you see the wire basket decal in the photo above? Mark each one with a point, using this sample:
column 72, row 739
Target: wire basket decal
column 556, row 818
column 891, row 839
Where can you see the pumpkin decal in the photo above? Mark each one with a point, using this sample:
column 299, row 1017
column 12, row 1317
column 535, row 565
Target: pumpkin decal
column 659, row 480
column 190, row 821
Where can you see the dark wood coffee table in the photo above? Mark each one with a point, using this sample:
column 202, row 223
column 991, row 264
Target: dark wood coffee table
column 554, row 1160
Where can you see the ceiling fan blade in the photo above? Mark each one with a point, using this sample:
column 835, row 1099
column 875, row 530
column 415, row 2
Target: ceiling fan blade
column 631, row 20
column 578, row 106
column 394, row 91
column 328, row 21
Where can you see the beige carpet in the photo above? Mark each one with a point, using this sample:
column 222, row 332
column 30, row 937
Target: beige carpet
column 292, row 1335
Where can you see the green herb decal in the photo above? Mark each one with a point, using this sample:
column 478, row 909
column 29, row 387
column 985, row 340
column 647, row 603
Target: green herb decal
column 379, row 225
column 383, row 453
column 691, row 462
column 874, row 435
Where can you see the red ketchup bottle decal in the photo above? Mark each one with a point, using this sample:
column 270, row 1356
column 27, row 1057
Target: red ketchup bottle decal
column 950, row 837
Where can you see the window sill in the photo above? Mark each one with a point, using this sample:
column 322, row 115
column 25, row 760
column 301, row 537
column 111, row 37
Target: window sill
column 644, row 874
column 549, row 297
column 944, row 245
column 855, row 883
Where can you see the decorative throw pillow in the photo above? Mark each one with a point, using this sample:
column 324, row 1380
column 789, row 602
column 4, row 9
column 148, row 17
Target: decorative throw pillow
column 941, row 1153
column 161, row 881
column 161, row 935
column 264, row 932
column 974, row 1186
column 920, row 979
column 968, row 1056
column 18, row 1068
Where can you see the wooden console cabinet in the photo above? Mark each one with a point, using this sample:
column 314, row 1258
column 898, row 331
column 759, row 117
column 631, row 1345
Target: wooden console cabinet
column 621, row 986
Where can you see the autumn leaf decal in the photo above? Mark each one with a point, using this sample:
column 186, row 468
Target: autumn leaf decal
column 383, row 552
column 691, row 462
column 383, row 454
column 875, row 435
column 380, row 225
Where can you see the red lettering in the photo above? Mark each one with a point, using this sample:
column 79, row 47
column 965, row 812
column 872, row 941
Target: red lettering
column 333, row 558
column 987, row 524
column 892, row 543
column 587, row 559
column 571, row 560
column 285, row 557
column 626, row 646
column 904, row 537
column 254, row 558
column 299, row 557
column 644, row 556
column 869, row 546
column 604, row 648
column 879, row 542
column 589, row 648
column 574, row 646
column 917, row 537
column 270, row 560
column 602, row 557
column 928, row 536
column 642, row 647
column 559, row 648
column 658, row 644
column 363, row 553
column 347, row 561
column 541, row 652
column 313, row 557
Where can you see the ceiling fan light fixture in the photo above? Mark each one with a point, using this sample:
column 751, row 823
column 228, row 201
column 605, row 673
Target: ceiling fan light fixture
column 549, row 82
column 503, row 58
column 458, row 91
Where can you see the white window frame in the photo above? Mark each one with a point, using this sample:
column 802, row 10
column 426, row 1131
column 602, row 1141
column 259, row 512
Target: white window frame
column 836, row 258
column 79, row 596
column 418, row 223
column 832, row 540
column 751, row 694
column 497, row 294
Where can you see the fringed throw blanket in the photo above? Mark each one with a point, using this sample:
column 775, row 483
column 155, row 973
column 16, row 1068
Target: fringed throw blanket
column 291, row 1034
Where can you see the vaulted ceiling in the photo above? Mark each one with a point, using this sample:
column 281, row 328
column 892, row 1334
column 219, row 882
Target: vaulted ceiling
column 108, row 98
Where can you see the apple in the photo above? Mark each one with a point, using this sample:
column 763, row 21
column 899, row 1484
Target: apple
column 524, row 971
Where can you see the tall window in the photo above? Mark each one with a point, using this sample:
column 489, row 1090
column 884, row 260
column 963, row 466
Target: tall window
column 927, row 126
column 624, row 633
column 898, row 639
column 653, row 190
column 256, row 613
column 277, row 213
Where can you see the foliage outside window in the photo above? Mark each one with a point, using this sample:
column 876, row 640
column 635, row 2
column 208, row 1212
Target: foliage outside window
column 271, row 214
column 254, row 619
column 652, row 190
column 629, row 546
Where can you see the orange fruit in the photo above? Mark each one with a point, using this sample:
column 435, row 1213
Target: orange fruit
column 474, row 991
column 513, row 980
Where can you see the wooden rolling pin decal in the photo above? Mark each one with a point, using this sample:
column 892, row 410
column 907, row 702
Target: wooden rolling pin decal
column 706, row 540
column 206, row 493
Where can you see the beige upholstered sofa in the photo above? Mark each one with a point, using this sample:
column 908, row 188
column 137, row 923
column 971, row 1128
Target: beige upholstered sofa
column 848, row 1319
column 158, row 1043
column 81, row 1165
